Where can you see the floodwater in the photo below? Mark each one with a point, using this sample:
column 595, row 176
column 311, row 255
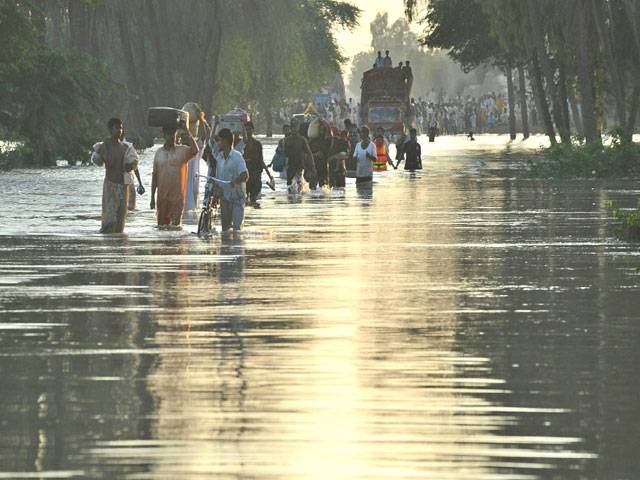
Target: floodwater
column 458, row 323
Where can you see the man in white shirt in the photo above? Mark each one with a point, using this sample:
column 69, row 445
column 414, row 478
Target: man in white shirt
column 364, row 153
column 231, row 167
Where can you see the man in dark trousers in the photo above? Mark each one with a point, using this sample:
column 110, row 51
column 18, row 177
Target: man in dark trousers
column 255, row 164
column 412, row 152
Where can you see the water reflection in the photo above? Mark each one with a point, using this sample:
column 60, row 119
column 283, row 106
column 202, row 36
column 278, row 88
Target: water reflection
column 457, row 323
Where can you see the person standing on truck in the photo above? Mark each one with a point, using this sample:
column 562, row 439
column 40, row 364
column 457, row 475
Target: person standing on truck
column 386, row 62
column 364, row 154
column 379, row 63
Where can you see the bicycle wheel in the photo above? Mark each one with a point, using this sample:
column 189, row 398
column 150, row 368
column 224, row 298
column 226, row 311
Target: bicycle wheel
column 204, row 222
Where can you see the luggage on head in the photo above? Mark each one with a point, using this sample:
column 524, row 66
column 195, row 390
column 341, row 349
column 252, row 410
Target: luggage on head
column 167, row 117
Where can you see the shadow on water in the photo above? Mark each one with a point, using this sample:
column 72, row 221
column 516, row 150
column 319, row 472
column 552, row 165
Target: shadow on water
column 460, row 323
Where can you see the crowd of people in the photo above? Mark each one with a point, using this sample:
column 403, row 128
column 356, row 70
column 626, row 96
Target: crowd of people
column 333, row 108
column 235, row 166
column 453, row 115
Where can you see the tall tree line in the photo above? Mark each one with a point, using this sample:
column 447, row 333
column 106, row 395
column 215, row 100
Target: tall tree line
column 581, row 57
column 219, row 53
column 215, row 52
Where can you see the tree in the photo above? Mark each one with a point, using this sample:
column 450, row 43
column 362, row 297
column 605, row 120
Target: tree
column 47, row 96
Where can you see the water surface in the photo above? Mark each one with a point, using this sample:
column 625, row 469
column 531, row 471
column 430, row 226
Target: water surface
column 458, row 323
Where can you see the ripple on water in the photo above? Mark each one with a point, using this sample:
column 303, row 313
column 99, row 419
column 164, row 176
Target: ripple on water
column 459, row 323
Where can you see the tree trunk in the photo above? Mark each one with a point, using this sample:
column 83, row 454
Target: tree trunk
column 135, row 87
column 610, row 63
column 575, row 114
column 633, row 113
column 79, row 23
column 166, row 85
column 547, row 70
column 523, row 103
column 209, row 77
column 54, row 12
column 585, row 75
column 38, row 19
column 541, row 100
column 564, row 101
column 511, row 102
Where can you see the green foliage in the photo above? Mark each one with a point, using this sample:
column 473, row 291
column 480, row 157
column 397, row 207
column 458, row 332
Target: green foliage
column 629, row 227
column 617, row 160
column 463, row 28
column 50, row 99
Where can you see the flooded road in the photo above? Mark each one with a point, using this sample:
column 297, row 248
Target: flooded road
column 458, row 323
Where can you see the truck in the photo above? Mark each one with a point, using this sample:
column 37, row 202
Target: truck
column 385, row 101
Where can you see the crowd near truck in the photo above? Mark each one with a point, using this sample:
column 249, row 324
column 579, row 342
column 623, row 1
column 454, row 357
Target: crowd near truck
column 385, row 100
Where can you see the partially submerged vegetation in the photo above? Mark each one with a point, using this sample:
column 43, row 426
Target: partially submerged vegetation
column 615, row 159
column 629, row 227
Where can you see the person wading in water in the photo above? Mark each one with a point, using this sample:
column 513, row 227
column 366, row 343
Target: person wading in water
column 255, row 164
column 231, row 168
column 118, row 160
column 296, row 147
column 382, row 151
column 364, row 154
column 412, row 152
column 170, row 177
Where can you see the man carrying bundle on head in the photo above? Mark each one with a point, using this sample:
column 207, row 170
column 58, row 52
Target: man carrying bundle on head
column 169, row 177
column 119, row 160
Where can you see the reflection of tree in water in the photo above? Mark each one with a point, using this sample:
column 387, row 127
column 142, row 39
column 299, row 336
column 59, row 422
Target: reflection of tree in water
column 64, row 402
column 559, row 326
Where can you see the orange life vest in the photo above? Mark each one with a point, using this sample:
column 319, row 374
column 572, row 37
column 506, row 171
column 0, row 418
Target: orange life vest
column 380, row 165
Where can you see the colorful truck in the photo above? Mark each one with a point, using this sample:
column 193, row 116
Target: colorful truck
column 385, row 101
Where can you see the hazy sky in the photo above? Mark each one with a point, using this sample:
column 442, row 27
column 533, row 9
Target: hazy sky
column 360, row 38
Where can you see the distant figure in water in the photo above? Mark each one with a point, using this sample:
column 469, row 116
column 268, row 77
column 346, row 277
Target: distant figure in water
column 119, row 160
column 412, row 152
column 169, row 177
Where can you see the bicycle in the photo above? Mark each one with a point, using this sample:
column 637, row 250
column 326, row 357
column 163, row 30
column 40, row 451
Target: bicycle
column 209, row 209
